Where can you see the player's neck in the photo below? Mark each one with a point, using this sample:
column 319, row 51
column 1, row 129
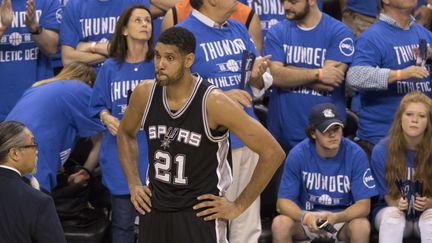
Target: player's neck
column 179, row 92
column 311, row 20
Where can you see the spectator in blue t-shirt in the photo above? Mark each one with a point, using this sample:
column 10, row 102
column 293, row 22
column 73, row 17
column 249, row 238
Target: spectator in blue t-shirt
column 28, row 36
column 310, row 54
column 56, row 111
column 327, row 177
column 405, row 155
column 130, row 62
column 384, row 69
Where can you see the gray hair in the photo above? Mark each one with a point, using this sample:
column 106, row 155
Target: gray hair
column 11, row 135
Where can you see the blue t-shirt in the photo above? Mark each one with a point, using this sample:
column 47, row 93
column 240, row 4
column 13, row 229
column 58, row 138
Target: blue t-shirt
column 21, row 62
column 270, row 12
column 315, row 183
column 92, row 20
column 218, row 55
column 57, row 113
column 378, row 166
column 293, row 46
column 366, row 7
column 110, row 92
column 386, row 46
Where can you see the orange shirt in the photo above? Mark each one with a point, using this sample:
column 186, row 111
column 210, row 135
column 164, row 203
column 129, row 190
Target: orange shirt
column 243, row 14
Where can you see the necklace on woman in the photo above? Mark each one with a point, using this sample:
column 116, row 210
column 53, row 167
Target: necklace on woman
column 136, row 66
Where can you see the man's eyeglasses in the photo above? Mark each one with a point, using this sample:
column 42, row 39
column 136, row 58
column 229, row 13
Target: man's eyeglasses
column 35, row 145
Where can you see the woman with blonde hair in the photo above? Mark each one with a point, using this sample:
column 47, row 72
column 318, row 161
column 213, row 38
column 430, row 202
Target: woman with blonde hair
column 56, row 111
column 406, row 154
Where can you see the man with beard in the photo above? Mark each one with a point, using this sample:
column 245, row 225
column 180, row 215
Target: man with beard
column 310, row 55
column 326, row 177
column 187, row 122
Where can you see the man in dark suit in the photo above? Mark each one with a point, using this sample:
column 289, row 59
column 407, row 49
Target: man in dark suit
column 27, row 215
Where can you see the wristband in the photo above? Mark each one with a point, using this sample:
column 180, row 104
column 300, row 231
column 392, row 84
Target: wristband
column 93, row 47
column 398, row 75
column 86, row 170
column 37, row 31
column 304, row 218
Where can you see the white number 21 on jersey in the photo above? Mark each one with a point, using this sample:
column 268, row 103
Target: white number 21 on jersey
column 163, row 168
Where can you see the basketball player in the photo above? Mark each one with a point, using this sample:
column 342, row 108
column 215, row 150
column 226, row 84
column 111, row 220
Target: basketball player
column 325, row 177
column 187, row 121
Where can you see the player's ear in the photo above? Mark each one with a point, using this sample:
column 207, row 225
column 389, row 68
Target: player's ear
column 189, row 59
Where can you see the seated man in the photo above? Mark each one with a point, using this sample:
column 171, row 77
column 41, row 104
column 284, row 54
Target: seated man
column 326, row 177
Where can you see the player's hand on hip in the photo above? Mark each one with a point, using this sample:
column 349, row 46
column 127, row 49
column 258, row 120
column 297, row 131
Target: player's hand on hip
column 140, row 198
column 216, row 207
column 240, row 97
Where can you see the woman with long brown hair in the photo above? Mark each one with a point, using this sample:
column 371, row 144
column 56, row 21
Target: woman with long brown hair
column 405, row 155
column 130, row 62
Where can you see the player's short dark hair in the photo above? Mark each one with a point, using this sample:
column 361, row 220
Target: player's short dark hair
column 180, row 37
column 196, row 4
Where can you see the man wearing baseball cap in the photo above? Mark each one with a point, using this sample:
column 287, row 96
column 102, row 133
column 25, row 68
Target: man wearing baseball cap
column 326, row 178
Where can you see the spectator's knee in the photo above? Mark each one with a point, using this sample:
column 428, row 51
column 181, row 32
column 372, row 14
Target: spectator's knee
column 393, row 216
column 282, row 226
column 425, row 221
column 359, row 226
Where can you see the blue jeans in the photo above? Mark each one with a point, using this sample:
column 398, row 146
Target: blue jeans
column 123, row 219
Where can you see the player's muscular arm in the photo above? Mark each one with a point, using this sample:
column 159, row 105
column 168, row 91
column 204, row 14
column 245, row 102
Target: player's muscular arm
column 128, row 147
column 332, row 75
column 222, row 111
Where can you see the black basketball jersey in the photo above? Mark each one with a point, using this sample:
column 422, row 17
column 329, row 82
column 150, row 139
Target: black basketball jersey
column 186, row 157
